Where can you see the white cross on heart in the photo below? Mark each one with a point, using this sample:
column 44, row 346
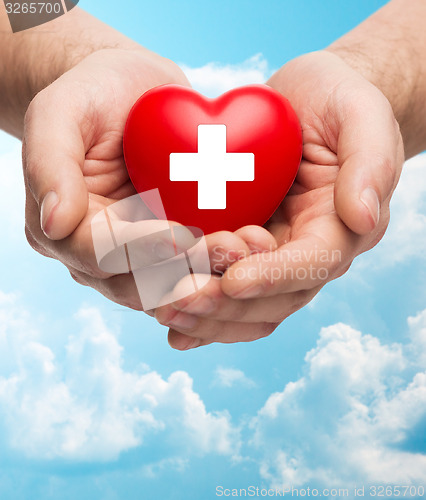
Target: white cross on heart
column 212, row 167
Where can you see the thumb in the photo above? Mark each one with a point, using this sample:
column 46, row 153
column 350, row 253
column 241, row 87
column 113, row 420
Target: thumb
column 53, row 156
column 370, row 153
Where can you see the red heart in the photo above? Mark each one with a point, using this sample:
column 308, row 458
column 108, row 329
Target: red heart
column 258, row 120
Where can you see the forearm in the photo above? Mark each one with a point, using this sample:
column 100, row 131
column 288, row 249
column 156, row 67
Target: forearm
column 31, row 60
column 388, row 49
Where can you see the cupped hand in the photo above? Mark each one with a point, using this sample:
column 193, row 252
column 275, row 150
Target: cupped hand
column 337, row 208
column 74, row 167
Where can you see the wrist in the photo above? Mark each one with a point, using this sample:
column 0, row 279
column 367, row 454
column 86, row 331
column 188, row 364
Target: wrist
column 397, row 81
column 387, row 50
column 31, row 63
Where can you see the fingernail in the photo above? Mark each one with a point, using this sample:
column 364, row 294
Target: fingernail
column 163, row 250
column 201, row 305
column 182, row 321
column 48, row 206
column 250, row 292
column 371, row 201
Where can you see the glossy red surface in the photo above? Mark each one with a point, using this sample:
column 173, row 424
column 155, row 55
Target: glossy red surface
column 258, row 120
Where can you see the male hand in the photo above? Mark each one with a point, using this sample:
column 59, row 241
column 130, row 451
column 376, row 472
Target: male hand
column 337, row 208
column 74, row 166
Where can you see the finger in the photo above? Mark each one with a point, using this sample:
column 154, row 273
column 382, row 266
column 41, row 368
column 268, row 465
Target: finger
column 306, row 262
column 101, row 249
column 211, row 331
column 122, row 246
column 370, row 153
column 76, row 251
column 53, row 156
column 207, row 330
column 225, row 248
column 211, row 302
column 257, row 238
column 121, row 289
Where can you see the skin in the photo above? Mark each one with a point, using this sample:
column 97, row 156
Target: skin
column 85, row 171
column 351, row 113
column 364, row 114
column 72, row 138
column 31, row 60
column 326, row 210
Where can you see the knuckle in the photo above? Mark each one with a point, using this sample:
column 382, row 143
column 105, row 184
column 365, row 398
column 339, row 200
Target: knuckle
column 299, row 300
column 36, row 245
column 30, row 239
column 289, row 310
column 333, row 271
column 92, row 269
column 27, row 164
column 31, row 162
column 85, row 259
column 122, row 290
column 283, row 314
column 262, row 330
column 78, row 279
column 388, row 166
column 37, row 103
column 131, row 303
column 134, row 304
column 296, row 306
column 174, row 72
column 334, row 267
column 28, row 118
column 266, row 329
column 342, row 271
column 239, row 311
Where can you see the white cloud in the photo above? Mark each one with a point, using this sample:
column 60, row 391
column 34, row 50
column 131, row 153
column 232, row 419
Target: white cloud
column 354, row 415
column 406, row 234
column 417, row 325
column 213, row 79
column 87, row 407
column 12, row 192
column 7, row 142
column 228, row 377
column 154, row 470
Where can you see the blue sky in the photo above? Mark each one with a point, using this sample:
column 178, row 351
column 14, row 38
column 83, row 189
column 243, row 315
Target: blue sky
column 195, row 32
column 93, row 402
